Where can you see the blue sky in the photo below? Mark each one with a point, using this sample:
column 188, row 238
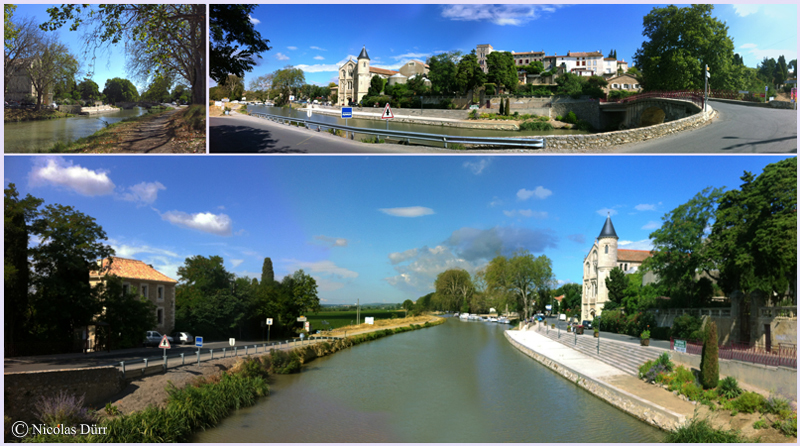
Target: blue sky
column 394, row 34
column 378, row 228
column 109, row 62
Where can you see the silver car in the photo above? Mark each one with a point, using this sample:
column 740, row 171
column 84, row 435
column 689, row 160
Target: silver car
column 153, row 338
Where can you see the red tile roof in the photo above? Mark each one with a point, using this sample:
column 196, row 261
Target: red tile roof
column 382, row 71
column 132, row 269
column 592, row 54
column 632, row 255
column 558, row 298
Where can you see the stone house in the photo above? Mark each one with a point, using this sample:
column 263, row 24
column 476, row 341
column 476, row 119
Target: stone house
column 355, row 76
column 625, row 82
column 20, row 86
column 139, row 276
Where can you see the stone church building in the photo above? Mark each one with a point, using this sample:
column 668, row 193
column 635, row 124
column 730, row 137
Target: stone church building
column 602, row 258
column 355, row 77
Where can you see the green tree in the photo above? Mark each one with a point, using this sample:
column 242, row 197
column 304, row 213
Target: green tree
column 267, row 273
column 468, row 73
column 52, row 63
column 9, row 30
column 680, row 42
column 570, row 84
column 709, row 361
column 161, row 40
column 70, row 245
column 127, row 315
column 376, row 85
column 442, row 72
column 680, row 251
column 502, row 70
column 616, row 283
column 19, row 217
column 234, row 42
column 287, row 80
column 612, row 53
column 535, row 67
column 120, row 90
column 90, row 91
column 635, row 72
column 754, row 235
column 408, row 304
column 454, row 288
column 522, row 276
column 20, row 42
column 233, row 87
column 180, row 94
column 158, row 90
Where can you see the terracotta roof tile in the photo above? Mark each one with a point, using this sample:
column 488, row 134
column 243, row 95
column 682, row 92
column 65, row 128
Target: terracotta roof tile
column 382, row 71
column 132, row 269
column 632, row 255
column 591, row 54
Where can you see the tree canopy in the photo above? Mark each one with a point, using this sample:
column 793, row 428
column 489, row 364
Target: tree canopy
column 120, row 90
column 502, row 70
column 234, row 42
column 442, row 72
column 469, row 73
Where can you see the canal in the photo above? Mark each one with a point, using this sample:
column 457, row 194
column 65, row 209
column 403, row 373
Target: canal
column 404, row 126
column 457, row 382
column 34, row 136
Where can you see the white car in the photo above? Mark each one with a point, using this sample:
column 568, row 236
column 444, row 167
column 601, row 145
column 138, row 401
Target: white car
column 183, row 337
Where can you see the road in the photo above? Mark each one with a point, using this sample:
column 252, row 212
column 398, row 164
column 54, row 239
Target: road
column 608, row 335
column 736, row 129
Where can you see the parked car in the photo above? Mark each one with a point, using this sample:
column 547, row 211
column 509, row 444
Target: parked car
column 587, row 325
column 153, row 338
column 562, row 317
column 183, row 337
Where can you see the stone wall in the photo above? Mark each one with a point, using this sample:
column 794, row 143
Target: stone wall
column 23, row 389
column 97, row 109
column 72, row 109
column 782, row 104
column 588, row 111
column 604, row 140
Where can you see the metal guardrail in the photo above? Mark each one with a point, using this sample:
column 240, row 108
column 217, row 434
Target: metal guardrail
column 196, row 356
column 687, row 95
column 408, row 136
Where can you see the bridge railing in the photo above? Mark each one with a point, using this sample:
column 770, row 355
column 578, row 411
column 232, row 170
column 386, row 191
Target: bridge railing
column 686, row 95
column 399, row 135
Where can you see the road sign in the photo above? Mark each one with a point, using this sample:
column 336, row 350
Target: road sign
column 269, row 321
column 369, row 320
column 308, row 113
column 680, row 346
column 301, row 319
column 387, row 112
column 308, row 327
column 232, row 341
column 164, row 343
column 198, row 341
column 347, row 112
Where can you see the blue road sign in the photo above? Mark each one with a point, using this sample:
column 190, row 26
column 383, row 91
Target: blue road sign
column 347, row 112
column 198, row 341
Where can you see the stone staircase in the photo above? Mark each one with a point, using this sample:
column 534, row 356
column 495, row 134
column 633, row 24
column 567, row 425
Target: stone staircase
column 622, row 355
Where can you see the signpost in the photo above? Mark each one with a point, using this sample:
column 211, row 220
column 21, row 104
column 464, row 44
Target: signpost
column 369, row 320
column 680, row 346
column 347, row 113
column 269, row 327
column 164, row 345
column 387, row 115
column 232, row 341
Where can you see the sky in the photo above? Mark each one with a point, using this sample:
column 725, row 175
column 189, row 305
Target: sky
column 376, row 228
column 395, row 34
column 109, row 62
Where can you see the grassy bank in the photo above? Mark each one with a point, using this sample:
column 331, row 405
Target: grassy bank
column 337, row 319
column 187, row 128
column 103, row 138
column 201, row 404
column 19, row 115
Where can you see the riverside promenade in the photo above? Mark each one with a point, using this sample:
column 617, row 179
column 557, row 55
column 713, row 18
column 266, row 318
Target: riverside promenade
column 646, row 402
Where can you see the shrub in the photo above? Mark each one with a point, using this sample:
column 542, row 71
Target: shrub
column 583, row 125
column 645, row 334
column 729, row 388
column 536, row 125
column 788, row 426
column 571, row 118
column 681, row 376
column 63, row 408
column 709, row 362
column 644, row 368
column 776, row 404
column 760, row 424
column 666, row 362
column 687, row 327
column 112, row 410
column 749, row 402
column 691, row 391
column 474, row 114
column 655, row 372
column 700, row 431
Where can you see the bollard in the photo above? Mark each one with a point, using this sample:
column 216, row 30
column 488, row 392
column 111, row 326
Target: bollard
column 224, row 353
column 183, row 360
column 212, row 353
column 245, row 350
column 122, row 364
column 145, row 366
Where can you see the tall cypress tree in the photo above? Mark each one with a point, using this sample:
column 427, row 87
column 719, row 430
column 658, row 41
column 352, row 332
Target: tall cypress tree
column 709, row 363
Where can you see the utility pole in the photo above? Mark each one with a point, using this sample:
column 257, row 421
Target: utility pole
column 705, row 89
column 358, row 311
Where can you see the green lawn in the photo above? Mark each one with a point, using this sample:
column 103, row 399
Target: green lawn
column 338, row 319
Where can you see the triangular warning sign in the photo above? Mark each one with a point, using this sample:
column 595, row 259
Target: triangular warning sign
column 387, row 112
column 164, row 342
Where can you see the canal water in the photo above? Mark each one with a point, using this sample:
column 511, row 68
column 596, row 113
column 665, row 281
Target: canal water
column 32, row 136
column 404, row 126
column 457, row 382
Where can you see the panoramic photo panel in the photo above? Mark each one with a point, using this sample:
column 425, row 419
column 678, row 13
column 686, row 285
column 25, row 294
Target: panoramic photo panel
column 105, row 78
column 344, row 299
column 662, row 79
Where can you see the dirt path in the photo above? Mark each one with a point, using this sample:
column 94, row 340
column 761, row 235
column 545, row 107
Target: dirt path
column 151, row 136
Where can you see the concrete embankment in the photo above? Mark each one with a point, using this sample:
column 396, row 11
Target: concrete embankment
column 98, row 109
column 647, row 403
column 416, row 118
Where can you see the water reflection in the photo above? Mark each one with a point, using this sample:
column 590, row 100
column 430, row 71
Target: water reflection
column 31, row 136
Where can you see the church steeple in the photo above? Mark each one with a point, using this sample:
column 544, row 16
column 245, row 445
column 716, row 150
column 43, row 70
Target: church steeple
column 608, row 229
column 363, row 54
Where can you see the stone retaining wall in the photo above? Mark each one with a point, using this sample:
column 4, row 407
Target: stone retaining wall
column 611, row 139
column 72, row 109
column 98, row 109
column 644, row 410
column 588, row 111
column 22, row 390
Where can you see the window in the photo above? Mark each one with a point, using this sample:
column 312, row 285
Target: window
column 144, row 291
column 126, row 288
column 160, row 293
column 364, row 64
column 160, row 316
column 606, row 249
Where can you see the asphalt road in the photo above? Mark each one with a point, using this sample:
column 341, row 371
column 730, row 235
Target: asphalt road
column 736, row 129
column 246, row 134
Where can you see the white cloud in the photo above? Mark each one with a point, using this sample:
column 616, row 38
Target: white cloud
column 422, row 56
column 218, row 224
column 645, row 207
column 254, row 20
column 424, row 264
column 606, row 212
column 236, row 262
column 318, row 48
column 495, row 202
column 281, row 56
column 652, row 225
column 292, row 47
column 413, row 211
column 477, row 167
column 319, row 58
column 143, row 193
column 751, row 52
column 516, row 15
column 59, row 172
column 323, row 268
column 540, row 193
column 331, row 242
column 129, row 251
column 643, row 245
column 747, row 46
column 400, row 257
column 744, row 9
